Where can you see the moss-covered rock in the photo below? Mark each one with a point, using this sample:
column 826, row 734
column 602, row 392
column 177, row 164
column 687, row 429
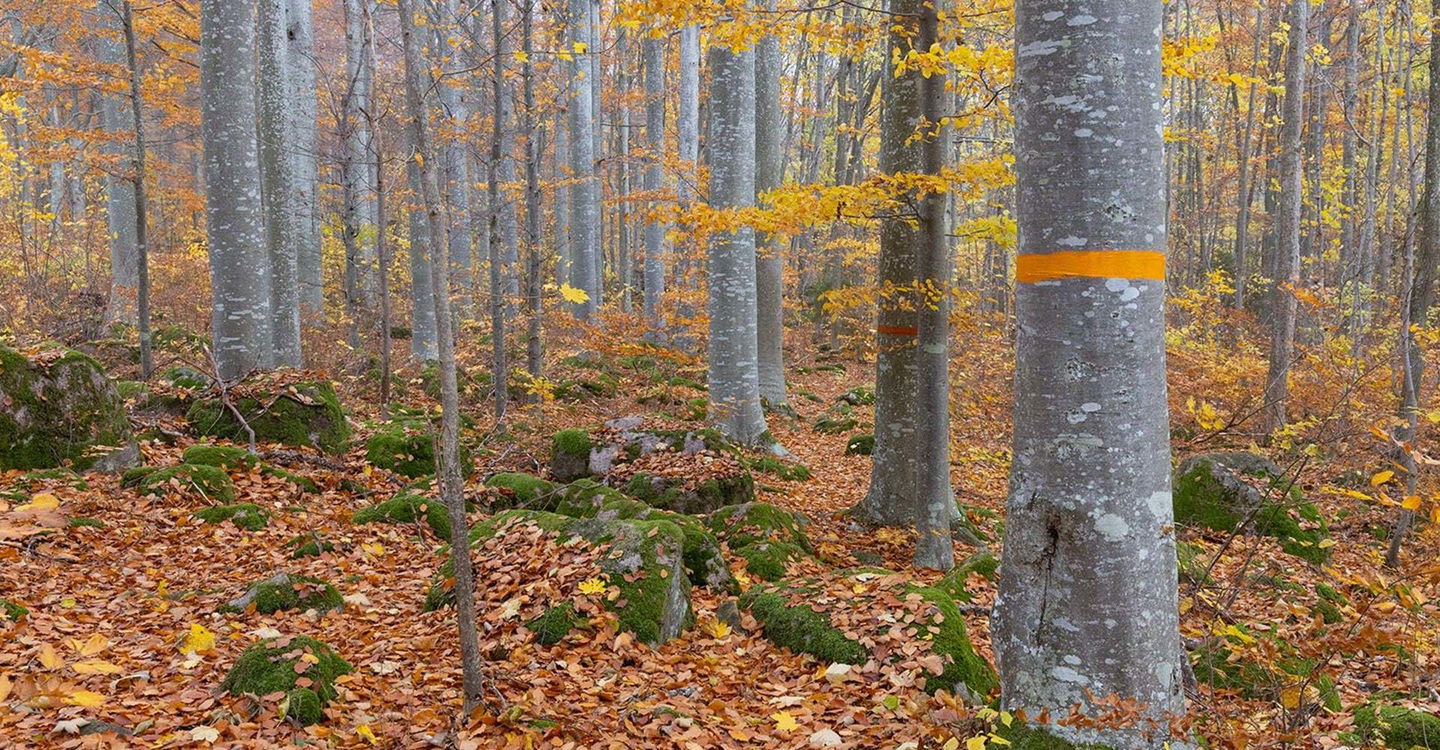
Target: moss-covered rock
column 518, row 490
column 306, row 484
column 408, row 507
column 11, row 611
column 248, row 516
column 1398, row 726
column 776, row 466
column 408, row 449
column 570, row 455
column 1228, row 662
column 768, row 560
column 284, row 591
column 643, row 562
column 861, row 445
column 302, row 414
column 860, row 395
column 955, row 583
column 312, row 544
column 276, row 666
column 748, row 523
column 228, row 457
column 692, row 495
column 1222, row 491
column 210, row 482
column 185, row 377
column 556, row 623
column 57, row 407
column 788, row 616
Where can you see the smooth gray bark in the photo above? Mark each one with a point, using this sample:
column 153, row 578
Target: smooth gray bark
column 355, row 169
column 119, row 188
column 734, row 374
column 534, row 147
column 585, row 192
column 1284, row 305
column 770, row 263
column 1087, row 607
column 422, row 302
column 278, row 180
column 656, row 250
column 500, row 369
column 304, row 150
column 239, row 265
column 455, row 159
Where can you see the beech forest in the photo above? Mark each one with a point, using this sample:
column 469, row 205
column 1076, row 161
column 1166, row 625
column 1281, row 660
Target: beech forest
column 629, row 374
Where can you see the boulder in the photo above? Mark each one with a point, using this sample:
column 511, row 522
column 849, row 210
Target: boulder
column 248, row 516
column 407, row 448
column 861, row 445
column 516, row 490
column 209, row 482
column 57, row 407
column 577, row 453
column 1223, row 491
column 1396, row 725
column 276, row 665
column 641, row 560
column 284, row 592
column 865, row 614
column 305, row 413
column 767, row 538
column 407, row 508
column 697, row 484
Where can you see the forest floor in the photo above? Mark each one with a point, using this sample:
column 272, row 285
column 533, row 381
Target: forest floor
column 120, row 614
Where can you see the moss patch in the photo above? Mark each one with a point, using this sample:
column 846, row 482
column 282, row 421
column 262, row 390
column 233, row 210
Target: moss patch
column 59, row 408
column 784, row 469
column 11, row 611
column 276, row 666
column 210, row 482
column 1212, row 491
column 227, row 457
column 520, row 490
column 287, row 592
column 248, row 516
column 408, row 508
column 303, row 414
column 748, row 523
column 312, row 544
column 557, row 622
column 1398, row 726
column 570, row 455
column 861, row 445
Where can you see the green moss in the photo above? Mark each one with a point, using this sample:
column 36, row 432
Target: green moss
column 784, row 469
column 82, row 522
column 1398, row 726
column 60, row 410
column 963, row 665
column 1205, row 497
column 313, row 418
column 704, row 561
column 1023, row 736
column 209, row 481
column 571, row 443
column 835, row 425
column 287, row 592
column 862, row 395
column 226, row 457
column 12, row 611
column 556, row 623
column 55, row 476
column 800, row 628
column 1328, row 612
column 861, row 445
column 586, row 498
column 745, row 524
column 306, row 484
column 248, row 516
column 408, row 449
column 955, row 583
column 644, row 565
column 1192, row 563
column 526, row 490
column 309, row 545
column 767, row 560
column 271, row 667
column 408, row 508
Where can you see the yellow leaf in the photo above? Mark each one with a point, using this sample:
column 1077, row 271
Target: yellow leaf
column 41, row 501
column 975, row 743
column 49, row 659
column 1326, row 543
column 68, row 602
column 1411, row 502
column 95, row 666
column 580, row 48
column 521, row 57
column 85, row 698
column 592, row 586
column 198, row 639
column 375, row 550
column 951, row 744
column 364, row 731
column 1381, row 478
column 784, row 721
column 90, row 646
column 573, row 295
column 719, row 629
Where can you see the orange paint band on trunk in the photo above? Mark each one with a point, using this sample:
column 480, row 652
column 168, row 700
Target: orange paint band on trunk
column 1094, row 264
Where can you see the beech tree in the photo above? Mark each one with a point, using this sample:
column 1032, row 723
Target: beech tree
column 1087, row 609
column 770, row 264
column 235, row 227
column 279, row 179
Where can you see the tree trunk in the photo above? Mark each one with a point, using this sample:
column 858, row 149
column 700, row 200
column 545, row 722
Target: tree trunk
column 417, row 83
column 1087, row 607
column 734, row 374
column 534, row 147
column 770, row 263
column 500, row 379
column 423, row 345
column 1245, row 196
column 305, row 151
column 585, row 192
column 655, row 227
column 239, row 266
column 1287, row 224
column 141, row 208
column 278, row 180
column 119, row 189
